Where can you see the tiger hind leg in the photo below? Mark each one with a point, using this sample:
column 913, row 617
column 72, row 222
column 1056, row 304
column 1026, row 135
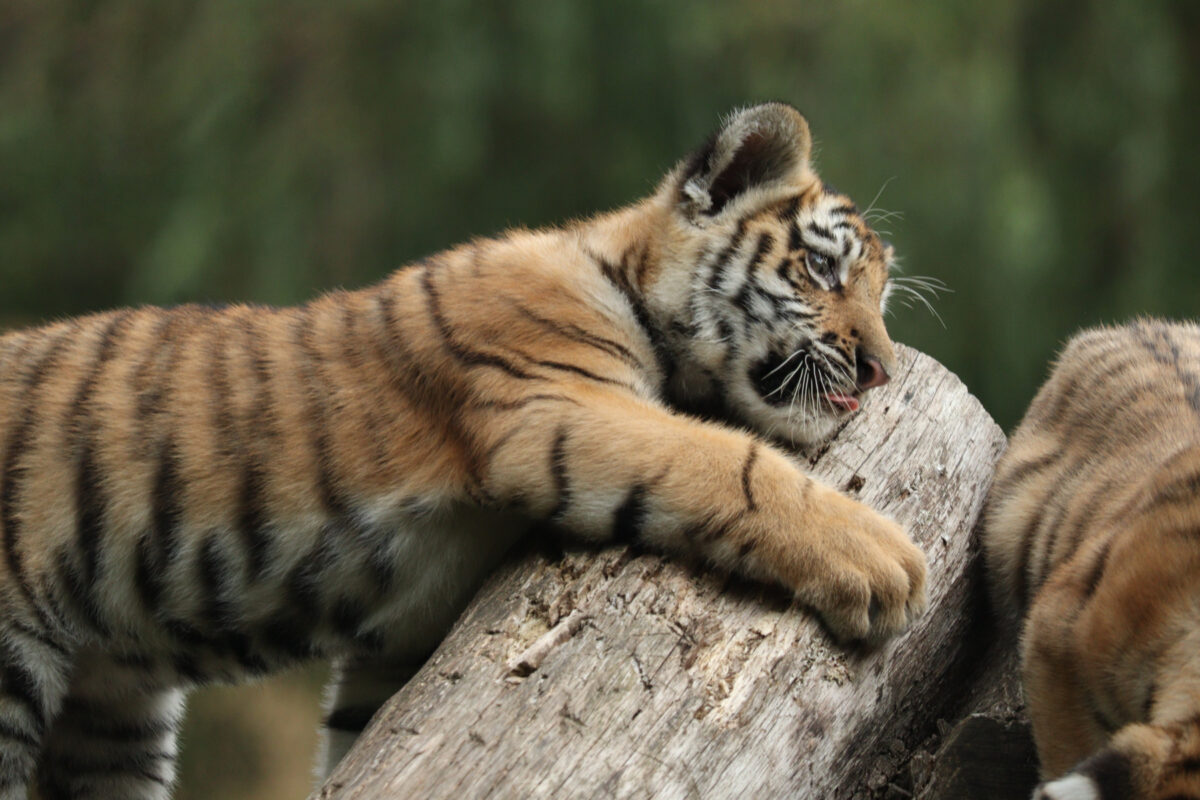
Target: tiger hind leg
column 1157, row 758
column 355, row 693
column 34, row 665
column 114, row 737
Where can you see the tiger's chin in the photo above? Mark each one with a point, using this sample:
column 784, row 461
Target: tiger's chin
column 800, row 423
column 786, row 404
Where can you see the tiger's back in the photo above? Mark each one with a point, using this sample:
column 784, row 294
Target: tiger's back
column 1091, row 535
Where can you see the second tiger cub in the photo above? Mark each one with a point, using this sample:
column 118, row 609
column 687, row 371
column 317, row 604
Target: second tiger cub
column 1093, row 533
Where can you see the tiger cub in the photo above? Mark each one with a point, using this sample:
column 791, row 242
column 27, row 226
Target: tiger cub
column 192, row 495
column 1093, row 530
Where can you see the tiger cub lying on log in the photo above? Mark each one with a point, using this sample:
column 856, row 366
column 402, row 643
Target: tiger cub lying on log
column 193, row 495
column 1093, row 531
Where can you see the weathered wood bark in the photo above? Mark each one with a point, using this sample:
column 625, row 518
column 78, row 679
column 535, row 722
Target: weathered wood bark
column 620, row 674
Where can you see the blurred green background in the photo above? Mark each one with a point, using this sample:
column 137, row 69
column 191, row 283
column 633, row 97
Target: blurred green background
column 1043, row 159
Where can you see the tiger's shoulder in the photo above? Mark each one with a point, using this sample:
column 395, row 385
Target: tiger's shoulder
column 1119, row 403
column 1090, row 538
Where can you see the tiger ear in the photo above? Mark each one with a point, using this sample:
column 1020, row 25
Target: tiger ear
column 762, row 147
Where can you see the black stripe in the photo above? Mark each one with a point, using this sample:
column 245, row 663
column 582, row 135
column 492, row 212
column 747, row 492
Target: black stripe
column 1052, row 525
column 355, row 357
column 1098, row 382
column 630, row 517
column 332, row 499
column 1089, row 509
column 138, row 763
column 795, row 240
column 575, row 333
column 211, row 569
column 20, row 685
column 747, row 468
column 253, row 516
column 89, row 513
column 658, row 343
column 558, row 365
column 39, row 637
column 1021, row 571
column 352, row 719
column 347, row 616
column 249, row 515
column 1101, row 719
column 1187, row 764
column 716, row 275
column 1180, row 490
column 380, row 559
column 1111, row 771
column 89, row 500
column 789, row 209
column 487, row 456
column 14, row 471
column 1172, row 358
column 463, row 353
column 820, row 231
column 642, row 266
column 148, row 390
column 79, row 591
column 560, row 476
column 157, row 547
column 12, row 733
column 1096, row 571
column 1014, row 475
column 1025, row 579
column 405, row 373
column 166, row 505
column 148, row 574
column 742, row 298
column 291, row 627
column 98, row 722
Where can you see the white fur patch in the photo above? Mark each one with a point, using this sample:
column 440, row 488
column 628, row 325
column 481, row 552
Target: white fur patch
column 1072, row 787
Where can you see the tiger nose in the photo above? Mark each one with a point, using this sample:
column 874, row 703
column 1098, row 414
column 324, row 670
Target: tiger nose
column 870, row 371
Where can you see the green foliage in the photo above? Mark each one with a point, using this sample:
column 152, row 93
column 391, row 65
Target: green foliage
column 1043, row 155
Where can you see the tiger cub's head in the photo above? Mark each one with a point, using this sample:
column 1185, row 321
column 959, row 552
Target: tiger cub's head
column 770, row 285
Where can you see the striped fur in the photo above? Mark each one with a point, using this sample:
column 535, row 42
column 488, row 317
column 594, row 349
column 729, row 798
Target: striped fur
column 1093, row 534
column 196, row 495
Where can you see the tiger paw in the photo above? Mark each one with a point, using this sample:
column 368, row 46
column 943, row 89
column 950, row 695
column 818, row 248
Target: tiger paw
column 866, row 578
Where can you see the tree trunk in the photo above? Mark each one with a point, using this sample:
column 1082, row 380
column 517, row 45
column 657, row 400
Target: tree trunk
column 617, row 673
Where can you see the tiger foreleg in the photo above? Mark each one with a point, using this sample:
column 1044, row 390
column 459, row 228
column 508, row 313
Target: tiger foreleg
column 1154, row 758
column 355, row 692
column 1066, row 726
column 613, row 467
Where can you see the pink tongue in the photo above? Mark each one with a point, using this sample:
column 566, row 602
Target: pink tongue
column 845, row 401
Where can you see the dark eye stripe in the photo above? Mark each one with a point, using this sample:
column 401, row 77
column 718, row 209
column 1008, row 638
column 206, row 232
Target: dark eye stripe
column 820, row 231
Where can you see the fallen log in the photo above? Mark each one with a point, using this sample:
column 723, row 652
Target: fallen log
column 615, row 673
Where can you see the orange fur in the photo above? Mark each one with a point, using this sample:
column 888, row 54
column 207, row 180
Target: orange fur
column 198, row 494
column 1092, row 527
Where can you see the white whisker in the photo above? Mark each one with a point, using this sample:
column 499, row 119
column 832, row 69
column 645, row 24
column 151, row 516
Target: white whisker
column 875, row 199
